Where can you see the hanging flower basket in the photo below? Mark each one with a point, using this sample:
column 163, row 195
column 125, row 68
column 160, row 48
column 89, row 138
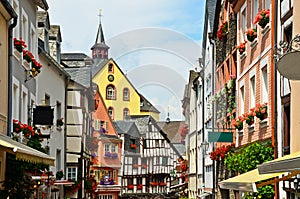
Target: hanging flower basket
column 261, row 111
column 242, row 47
column 262, row 18
column 251, row 34
column 223, row 31
column 59, row 122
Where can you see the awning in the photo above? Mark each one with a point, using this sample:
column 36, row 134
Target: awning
column 288, row 163
column 24, row 152
column 246, row 181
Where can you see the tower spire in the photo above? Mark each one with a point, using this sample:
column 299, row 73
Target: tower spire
column 100, row 49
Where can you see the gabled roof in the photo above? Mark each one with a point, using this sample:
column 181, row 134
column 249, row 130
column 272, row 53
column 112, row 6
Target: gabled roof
column 42, row 4
column 80, row 75
column 172, row 129
column 142, row 122
column 146, row 105
column 127, row 127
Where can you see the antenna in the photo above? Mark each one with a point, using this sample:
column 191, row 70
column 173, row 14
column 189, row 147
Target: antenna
column 168, row 117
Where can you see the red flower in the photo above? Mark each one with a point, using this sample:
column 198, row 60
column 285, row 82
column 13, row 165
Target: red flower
column 241, row 47
column 223, row 30
column 262, row 17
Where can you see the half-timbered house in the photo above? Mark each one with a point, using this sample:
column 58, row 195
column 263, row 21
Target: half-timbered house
column 148, row 171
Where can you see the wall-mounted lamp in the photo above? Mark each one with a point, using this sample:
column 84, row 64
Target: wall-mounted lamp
column 205, row 146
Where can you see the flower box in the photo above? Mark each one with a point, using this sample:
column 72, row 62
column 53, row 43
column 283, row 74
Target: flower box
column 262, row 18
column 251, row 34
column 261, row 111
column 131, row 186
column 139, row 187
column 114, row 155
column 144, row 166
column 242, row 47
column 19, row 44
column 133, row 146
column 28, row 56
column 162, row 184
column 107, row 154
column 249, row 117
column 238, row 123
column 135, row 166
column 154, row 184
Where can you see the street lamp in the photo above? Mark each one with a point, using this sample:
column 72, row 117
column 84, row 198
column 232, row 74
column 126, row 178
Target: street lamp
column 205, row 146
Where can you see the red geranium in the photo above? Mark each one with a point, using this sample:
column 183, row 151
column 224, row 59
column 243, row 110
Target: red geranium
column 223, row 30
column 220, row 152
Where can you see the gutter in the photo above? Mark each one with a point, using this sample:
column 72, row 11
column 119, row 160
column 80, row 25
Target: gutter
column 10, row 56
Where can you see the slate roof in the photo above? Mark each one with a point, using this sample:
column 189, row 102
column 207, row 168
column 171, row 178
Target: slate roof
column 147, row 106
column 126, row 127
column 172, row 130
column 80, row 75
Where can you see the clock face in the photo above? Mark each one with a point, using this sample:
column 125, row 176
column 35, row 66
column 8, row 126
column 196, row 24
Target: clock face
column 111, row 78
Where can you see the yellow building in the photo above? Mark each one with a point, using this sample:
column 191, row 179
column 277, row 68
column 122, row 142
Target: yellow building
column 120, row 96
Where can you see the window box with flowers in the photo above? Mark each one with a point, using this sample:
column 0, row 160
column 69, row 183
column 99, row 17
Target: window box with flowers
column 238, row 123
column 249, row 117
column 154, row 184
column 19, row 44
column 139, row 187
column 28, row 56
column 219, row 153
column 162, row 184
column 135, row 166
column 133, row 146
column 144, row 166
column 223, row 31
column 251, row 34
column 261, row 111
column 262, row 18
column 130, row 186
column 242, row 47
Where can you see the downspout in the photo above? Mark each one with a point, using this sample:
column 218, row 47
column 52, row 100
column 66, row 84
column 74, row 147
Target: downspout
column 275, row 134
column 10, row 72
column 65, row 126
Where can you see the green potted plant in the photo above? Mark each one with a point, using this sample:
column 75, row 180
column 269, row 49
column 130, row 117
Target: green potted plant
column 59, row 174
column 251, row 34
column 261, row 111
column 59, row 122
column 19, row 44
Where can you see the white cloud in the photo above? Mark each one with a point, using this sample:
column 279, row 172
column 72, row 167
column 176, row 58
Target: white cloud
column 156, row 42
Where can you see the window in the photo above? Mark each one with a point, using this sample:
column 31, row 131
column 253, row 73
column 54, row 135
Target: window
column 105, row 196
column 242, row 99
column 47, row 100
column 255, row 9
column 15, row 99
column 58, row 159
column 110, row 92
column 110, row 68
column 243, row 24
column 267, row 4
column 164, row 161
column 24, row 107
column 125, row 113
column 111, row 112
column 72, row 173
column 106, row 147
column 16, row 31
column 113, row 148
column 252, row 92
column 58, row 110
column 24, row 23
column 126, row 94
column 264, row 84
column 32, row 40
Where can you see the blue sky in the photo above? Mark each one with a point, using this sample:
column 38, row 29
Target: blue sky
column 155, row 42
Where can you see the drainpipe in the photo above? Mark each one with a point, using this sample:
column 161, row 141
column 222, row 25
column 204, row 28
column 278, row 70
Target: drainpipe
column 10, row 74
column 275, row 134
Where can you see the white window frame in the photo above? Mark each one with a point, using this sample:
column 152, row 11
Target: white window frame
column 72, row 173
column 16, row 7
column 111, row 92
column 24, row 31
column 24, row 105
column 242, row 99
column 264, row 84
column 252, row 88
column 243, row 27
column 16, row 99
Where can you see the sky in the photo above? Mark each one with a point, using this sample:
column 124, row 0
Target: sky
column 154, row 42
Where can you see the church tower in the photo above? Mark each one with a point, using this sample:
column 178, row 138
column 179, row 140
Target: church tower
column 100, row 49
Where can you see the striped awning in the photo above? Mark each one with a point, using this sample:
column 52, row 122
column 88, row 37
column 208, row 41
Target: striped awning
column 23, row 152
